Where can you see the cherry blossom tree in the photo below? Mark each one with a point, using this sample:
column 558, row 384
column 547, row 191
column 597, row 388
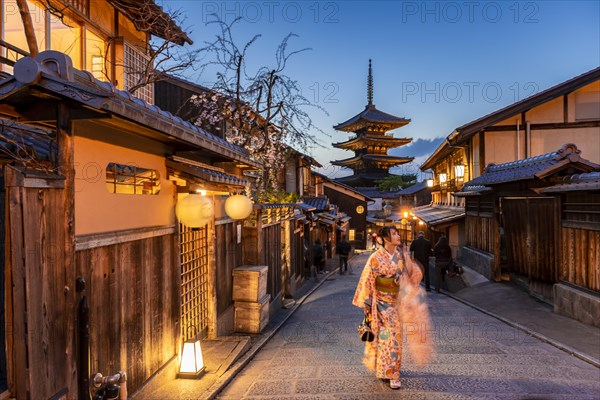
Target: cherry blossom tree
column 263, row 111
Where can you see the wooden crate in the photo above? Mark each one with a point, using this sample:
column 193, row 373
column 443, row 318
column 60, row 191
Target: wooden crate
column 250, row 282
column 250, row 316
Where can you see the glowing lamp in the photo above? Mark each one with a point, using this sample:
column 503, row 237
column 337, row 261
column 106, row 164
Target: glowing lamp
column 192, row 364
column 238, row 206
column 194, row 210
column 405, row 214
column 421, row 223
column 429, row 182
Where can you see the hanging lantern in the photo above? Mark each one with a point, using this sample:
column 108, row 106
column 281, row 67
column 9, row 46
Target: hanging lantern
column 238, row 206
column 194, row 210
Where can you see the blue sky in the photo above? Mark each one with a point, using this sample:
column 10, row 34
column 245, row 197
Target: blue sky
column 439, row 63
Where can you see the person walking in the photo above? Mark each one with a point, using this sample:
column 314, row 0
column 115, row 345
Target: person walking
column 443, row 260
column 343, row 249
column 388, row 291
column 318, row 253
column 420, row 249
column 373, row 241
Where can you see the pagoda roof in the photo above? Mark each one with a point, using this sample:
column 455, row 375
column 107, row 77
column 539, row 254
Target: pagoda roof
column 380, row 158
column 371, row 116
column 357, row 142
column 362, row 179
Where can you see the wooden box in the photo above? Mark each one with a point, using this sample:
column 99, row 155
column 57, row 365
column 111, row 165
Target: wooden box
column 249, row 282
column 250, row 316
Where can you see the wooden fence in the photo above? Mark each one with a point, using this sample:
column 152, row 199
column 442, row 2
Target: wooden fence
column 134, row 299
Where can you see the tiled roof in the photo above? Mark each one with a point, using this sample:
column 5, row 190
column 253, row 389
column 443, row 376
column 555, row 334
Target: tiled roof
column 319, row 203
column 373, row 115
column 435, row 215
column 375, row 193
column 514, row 170
column 207, row 174
column 416, row 188
column 305, row 207
column 475, row 190
column 533, row 167
column 19, row 140
column 105, row 98
column 578, row 182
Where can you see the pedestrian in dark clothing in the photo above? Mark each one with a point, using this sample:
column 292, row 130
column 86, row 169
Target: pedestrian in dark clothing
column 421, row 250
column 343, row 249
column 443, row 260
column 318, row 255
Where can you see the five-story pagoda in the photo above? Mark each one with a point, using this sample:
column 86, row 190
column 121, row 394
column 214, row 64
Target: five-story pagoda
column 371, row 143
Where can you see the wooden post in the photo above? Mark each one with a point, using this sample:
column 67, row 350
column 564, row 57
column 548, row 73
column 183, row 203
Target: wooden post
column 212, row 279
column 66, row 168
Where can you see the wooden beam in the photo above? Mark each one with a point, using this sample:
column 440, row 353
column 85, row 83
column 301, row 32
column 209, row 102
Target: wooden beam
column 547, row 126
column 94, row 240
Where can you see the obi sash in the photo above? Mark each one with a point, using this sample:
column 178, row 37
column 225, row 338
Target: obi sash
column 386, row 285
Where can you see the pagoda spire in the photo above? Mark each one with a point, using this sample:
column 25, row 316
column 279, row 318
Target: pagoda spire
column 370, row 85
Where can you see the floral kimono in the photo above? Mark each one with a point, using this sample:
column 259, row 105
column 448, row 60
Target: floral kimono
column 398, row 302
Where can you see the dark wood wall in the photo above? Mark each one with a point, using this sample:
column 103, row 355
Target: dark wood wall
column 580, row 239
column 134, row 298
column 228, row 255
column 581, row 258
column 348, row 205
column 530, row 232
column 40, row 289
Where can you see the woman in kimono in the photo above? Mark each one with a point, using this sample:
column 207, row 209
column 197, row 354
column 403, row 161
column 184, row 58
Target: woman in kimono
column 392, row 299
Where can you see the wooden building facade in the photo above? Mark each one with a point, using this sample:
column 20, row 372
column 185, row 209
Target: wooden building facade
column 101, row 207
column 529, row 233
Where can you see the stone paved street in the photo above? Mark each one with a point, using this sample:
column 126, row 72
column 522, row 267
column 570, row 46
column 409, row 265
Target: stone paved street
column 317, row 355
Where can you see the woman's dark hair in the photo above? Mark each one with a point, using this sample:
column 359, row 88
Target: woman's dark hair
column 442, row 241
column 385, row 233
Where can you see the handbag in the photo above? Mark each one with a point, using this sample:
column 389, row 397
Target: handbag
column 364, row 330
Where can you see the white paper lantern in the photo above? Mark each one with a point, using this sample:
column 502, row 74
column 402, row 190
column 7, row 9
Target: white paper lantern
column 238, row 206
column 194, row 210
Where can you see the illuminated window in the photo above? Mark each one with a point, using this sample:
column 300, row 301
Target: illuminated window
column 351, row 234
column 95, row 51
column 65, row 36
column 14, row 33
column 131, row 179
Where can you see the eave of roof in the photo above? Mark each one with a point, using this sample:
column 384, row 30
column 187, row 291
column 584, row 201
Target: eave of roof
column 373, row 139
column 62, row 81
column 334, row 182
column 465, row 131
column 147, row 16
column 538, row 167
column 436, row 215
column 208, row 175
column 371, row 115
column 579, row 182
column 393, row 160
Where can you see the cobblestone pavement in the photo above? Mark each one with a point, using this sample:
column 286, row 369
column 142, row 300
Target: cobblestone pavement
column 317, row 355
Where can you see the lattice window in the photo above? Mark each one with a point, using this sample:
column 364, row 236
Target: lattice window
column 194, row 281
column 135, row 63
